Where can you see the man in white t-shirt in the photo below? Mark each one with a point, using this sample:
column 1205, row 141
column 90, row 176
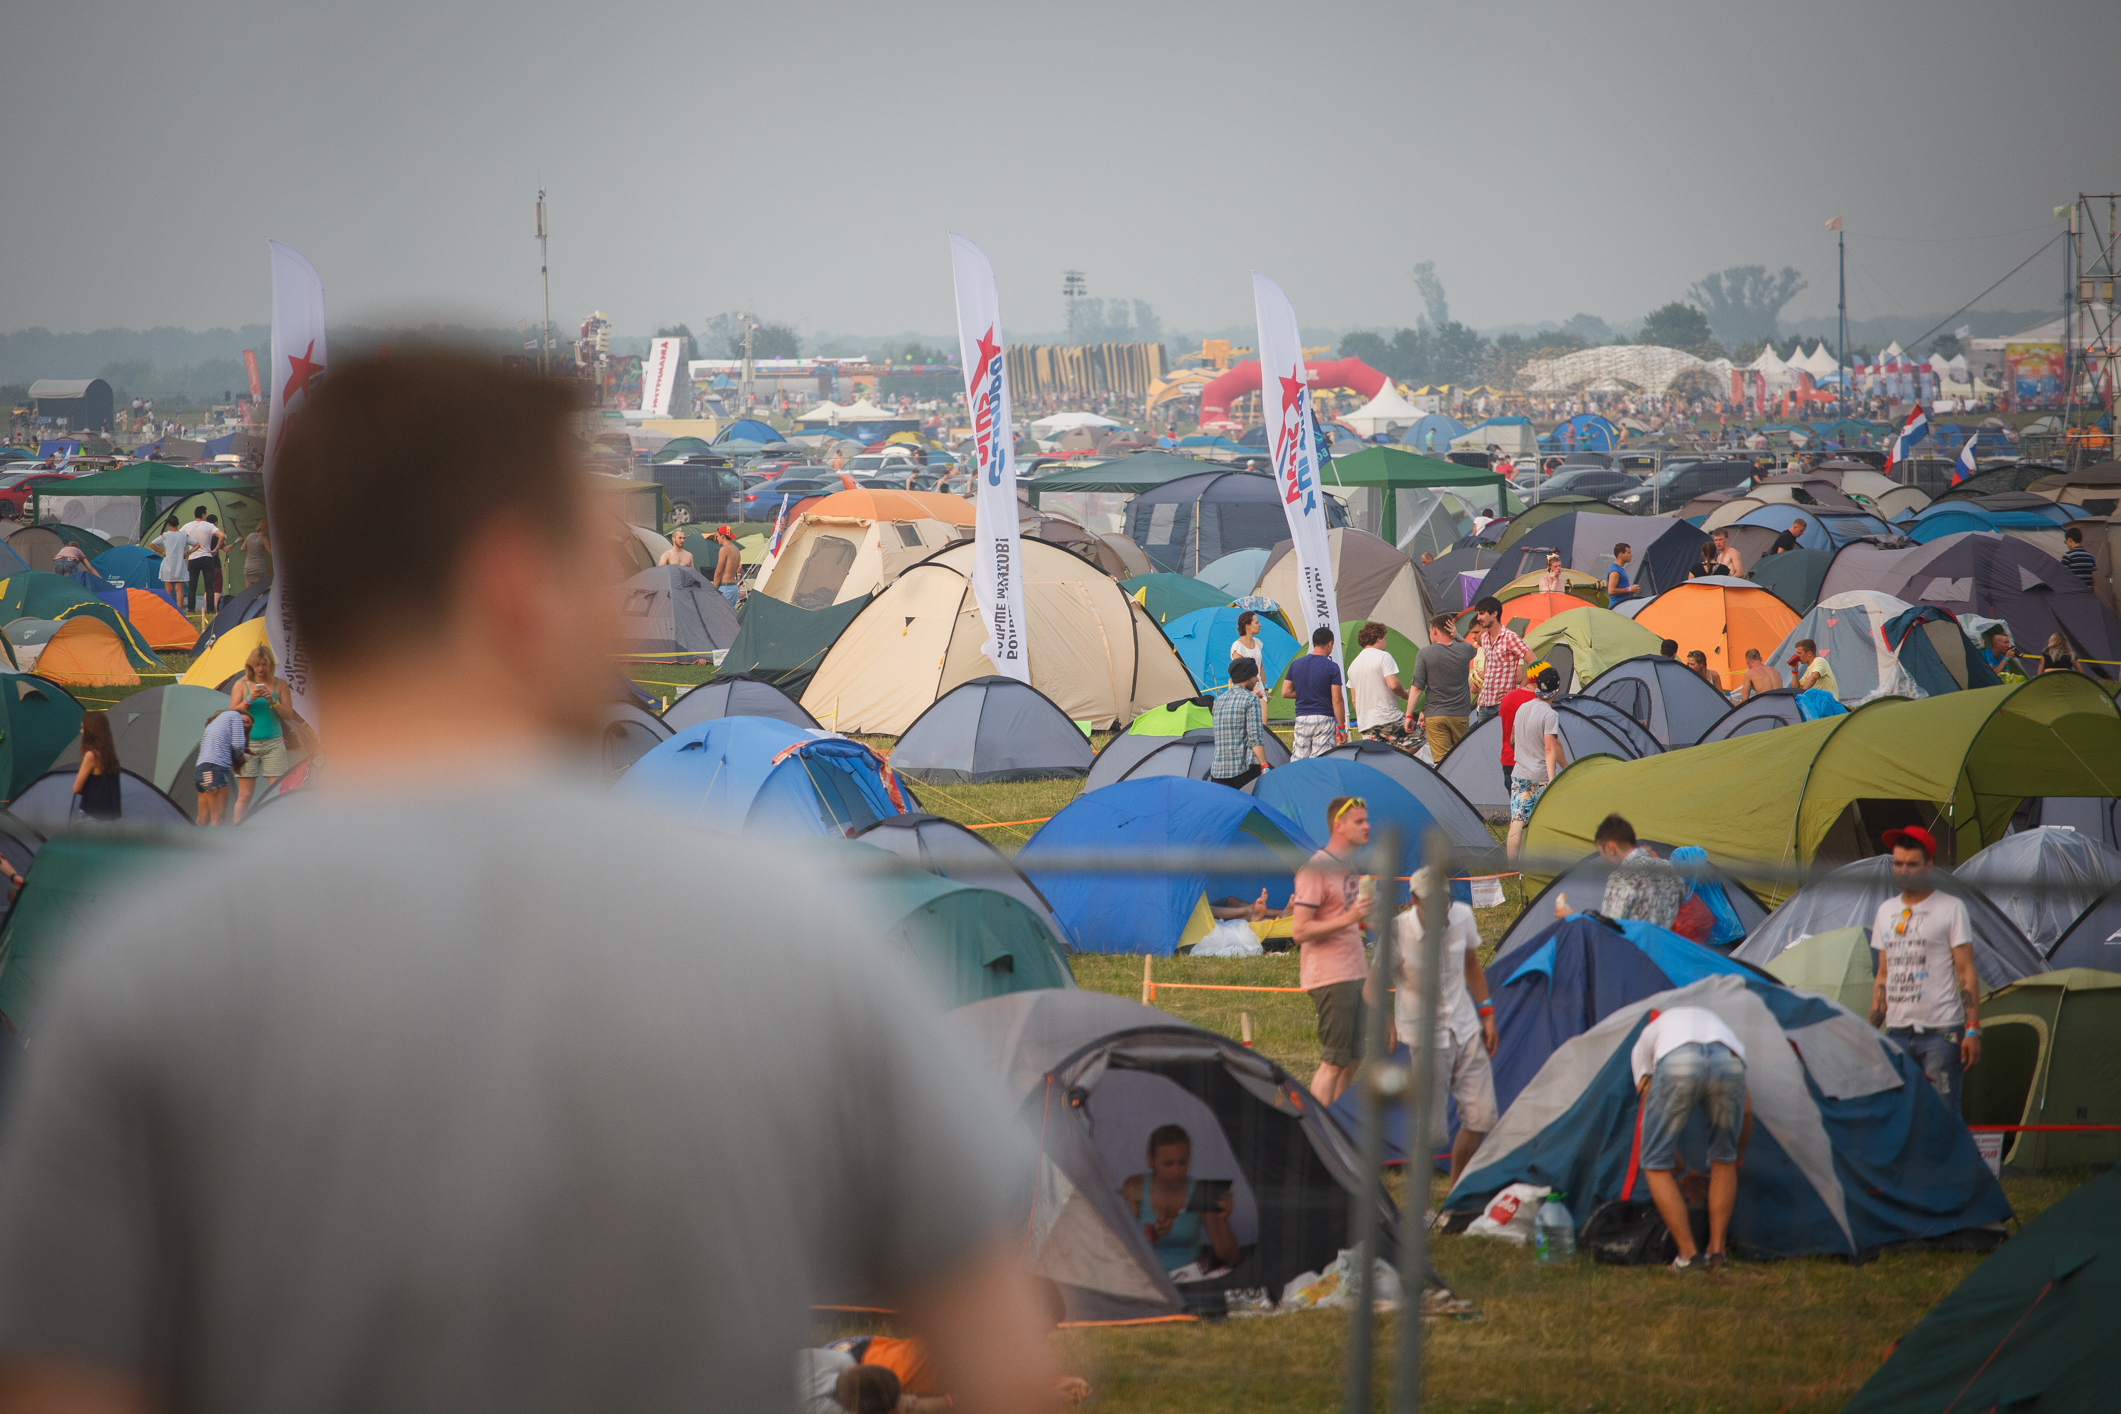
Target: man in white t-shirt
column 1373, row 680
column 1686, row 1060
column 1465, row 1021
column 1926, row 995
column 204, row 538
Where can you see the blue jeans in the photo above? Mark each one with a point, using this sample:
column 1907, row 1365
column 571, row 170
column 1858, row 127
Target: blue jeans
column 729, row 592
column 1937, row 1052
column 1481, row 714
column 1709, row 1078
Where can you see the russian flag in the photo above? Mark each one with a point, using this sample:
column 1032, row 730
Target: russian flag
column 1965, row 468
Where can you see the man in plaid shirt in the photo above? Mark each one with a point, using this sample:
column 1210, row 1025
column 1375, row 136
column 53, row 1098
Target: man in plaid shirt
column 1240, row 735
column 1502, row 657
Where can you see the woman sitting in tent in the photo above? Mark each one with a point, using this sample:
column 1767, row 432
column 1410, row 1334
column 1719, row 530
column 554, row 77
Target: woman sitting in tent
column 1163, row 1200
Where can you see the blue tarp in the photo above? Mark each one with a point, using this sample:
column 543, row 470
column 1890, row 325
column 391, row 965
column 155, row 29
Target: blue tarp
column 220, row 446
column 760, row 775
column 1146, row 913
column 1816, row 702
column 1202, row 641
column 64, row 447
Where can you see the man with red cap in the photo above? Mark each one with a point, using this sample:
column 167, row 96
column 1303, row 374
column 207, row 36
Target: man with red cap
column 728, row 565
column 1926, row 995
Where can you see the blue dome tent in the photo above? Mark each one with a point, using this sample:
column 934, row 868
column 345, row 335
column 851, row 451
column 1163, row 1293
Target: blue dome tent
column 1301, row 789
column 1432, row 435
column 748, row 429
column 1586, row 432
column 1151, row 913
column 129, row 567
column 1202, row 640
column 1852, row 1151
column 760, row 775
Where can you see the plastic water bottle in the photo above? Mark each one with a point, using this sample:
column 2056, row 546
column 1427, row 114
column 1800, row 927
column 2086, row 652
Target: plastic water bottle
column 1554, row 1231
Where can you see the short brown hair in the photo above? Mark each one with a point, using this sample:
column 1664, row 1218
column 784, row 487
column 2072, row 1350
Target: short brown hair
column 1806, row 644
column 473, row 441
column 1370, row 634
column 1614, row 829
column 867, row 1389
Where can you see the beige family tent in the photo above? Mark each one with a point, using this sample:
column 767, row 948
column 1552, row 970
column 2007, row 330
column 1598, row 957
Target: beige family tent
column 853, row 543
column 1371, row 580
column 1094, row 651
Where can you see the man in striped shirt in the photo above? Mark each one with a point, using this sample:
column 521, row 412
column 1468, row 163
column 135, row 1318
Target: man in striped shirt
column 2076, row 559
column 1502, row 658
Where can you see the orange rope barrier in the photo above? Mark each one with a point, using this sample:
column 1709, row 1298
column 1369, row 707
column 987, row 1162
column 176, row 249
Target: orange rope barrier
column 1005, row 824
column 1154, row 987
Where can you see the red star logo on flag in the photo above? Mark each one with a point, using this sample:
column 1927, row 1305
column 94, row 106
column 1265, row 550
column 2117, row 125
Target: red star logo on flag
column 300, row 371
column 1292, row 394
column 989, row 350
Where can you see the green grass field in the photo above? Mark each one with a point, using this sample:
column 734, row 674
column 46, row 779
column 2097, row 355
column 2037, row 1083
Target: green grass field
column 1795, row 1337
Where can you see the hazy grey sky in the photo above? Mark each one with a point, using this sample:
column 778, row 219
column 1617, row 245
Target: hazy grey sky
column 1548, row 156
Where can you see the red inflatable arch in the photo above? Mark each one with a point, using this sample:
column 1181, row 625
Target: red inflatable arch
column 1216, row 397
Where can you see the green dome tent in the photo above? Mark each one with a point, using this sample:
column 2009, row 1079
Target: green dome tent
column 38, row 720
column 971, row 943
column 2051, row 1054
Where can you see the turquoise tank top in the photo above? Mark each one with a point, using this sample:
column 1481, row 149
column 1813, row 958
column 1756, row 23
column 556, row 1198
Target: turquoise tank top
column 1182, row 1243
column 264, row 719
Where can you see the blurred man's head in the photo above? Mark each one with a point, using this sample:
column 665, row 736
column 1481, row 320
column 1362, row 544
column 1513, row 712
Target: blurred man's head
column 1615, row 838
column 1348, row 819
column 493, row 584
column 1914, row 850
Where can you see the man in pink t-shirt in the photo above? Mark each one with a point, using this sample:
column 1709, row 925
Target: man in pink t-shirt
column 1331, row 965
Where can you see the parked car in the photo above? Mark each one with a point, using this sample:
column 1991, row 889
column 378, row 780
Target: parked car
column 1597, row 482
column 1679, row 482
column 698, row 491
column 764, row 501
column 16, row 488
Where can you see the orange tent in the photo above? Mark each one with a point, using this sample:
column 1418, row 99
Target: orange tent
column 1721, row 620
column 160, row 622
column 1528, row 611
column 85, row 652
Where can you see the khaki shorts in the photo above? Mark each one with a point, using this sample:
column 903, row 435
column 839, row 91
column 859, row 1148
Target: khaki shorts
column 1444, row 733
column 267, row 758
column 1339, row 1021
column 1464, row 1074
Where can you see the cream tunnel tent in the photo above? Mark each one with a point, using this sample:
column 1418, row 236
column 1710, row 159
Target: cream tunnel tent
column 1094, row 651
column 1832, row 787
column 1092, row 1076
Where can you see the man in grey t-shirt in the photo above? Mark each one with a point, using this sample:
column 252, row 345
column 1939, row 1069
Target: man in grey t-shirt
column 426, row 1098
column 1441, row 671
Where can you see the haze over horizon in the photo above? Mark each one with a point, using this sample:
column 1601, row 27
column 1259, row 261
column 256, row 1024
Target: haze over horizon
column 701, row 162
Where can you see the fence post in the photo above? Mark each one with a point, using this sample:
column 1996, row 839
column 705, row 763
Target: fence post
column 1380, row 1084
column 1148, row 980
column 1414, row 1195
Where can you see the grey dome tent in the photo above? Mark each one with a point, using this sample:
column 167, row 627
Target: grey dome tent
column 1763, row 711
column 991, row 729
column 1118, row 757
column 736, row 695
column 48, row 804
column 947, row 848
column 1460, row 822
column 1193, row 521
column 2094, row 939
column 2075, row 869
column 2097, row 816
column 1092, row 1076
column 157, row 734
column 1584, row 886
column 1190, row 754
column 1588, row 726
column 1849, row 898
column 672, row 612
column 1664, row 696
column 625, row 734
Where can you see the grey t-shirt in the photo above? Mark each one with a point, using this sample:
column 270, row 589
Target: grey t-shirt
column 1536, row 721
column 1442, row 669
column 453, row 1102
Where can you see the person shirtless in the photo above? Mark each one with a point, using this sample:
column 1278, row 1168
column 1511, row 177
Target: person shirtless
column 728, row 565
column 677, row 554
column 1759, row 677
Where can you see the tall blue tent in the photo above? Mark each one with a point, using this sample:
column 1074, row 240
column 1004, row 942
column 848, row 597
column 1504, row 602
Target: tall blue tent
column 1851, row 1150
column 1147, row 913
column 760, row 775
column 1202, row 641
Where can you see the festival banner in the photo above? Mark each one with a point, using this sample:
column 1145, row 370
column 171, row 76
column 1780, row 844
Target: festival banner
column 297, row 363
column 996, row 569
column 250, row 368
column 666, row 382
column 1285, row 403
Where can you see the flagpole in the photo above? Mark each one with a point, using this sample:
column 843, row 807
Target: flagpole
column 1841, row 353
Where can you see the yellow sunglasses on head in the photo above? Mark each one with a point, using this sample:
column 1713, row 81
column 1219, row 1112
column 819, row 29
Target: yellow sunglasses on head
column 1351, row 803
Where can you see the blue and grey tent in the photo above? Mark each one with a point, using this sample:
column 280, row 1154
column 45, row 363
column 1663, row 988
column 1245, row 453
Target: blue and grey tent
column 1762, row 712
column 2017, row 511
column 1453, row 814
column 1301, row 791
column 1434, row 434
column 757, row 775
column 1589, row 725
column 1236, row 573
column 1852, row 1151
column 992, row 729
column 1584, row 887
column 748, row 429
column 1151, row 913
column 1665, row 697
column 947, row 848
column 1202, row 641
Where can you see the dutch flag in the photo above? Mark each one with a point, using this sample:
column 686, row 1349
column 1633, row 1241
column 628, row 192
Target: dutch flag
column 1912, row 431
column 1965, row 468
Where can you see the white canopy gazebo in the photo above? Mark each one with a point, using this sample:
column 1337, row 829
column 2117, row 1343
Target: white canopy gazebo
column 1382, row 413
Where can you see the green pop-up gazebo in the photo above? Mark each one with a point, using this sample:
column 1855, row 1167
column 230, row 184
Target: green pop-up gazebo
column 155, row 484
column 1395, row 469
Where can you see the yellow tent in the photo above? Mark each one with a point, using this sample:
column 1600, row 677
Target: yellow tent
column 222, row 662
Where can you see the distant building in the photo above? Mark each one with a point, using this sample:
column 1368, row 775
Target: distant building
column 86, row 404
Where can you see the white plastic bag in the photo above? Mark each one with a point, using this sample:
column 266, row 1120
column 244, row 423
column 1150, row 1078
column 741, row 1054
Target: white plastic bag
column 1233, row 937
column 1510, row 1214
column 1334, row 1288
